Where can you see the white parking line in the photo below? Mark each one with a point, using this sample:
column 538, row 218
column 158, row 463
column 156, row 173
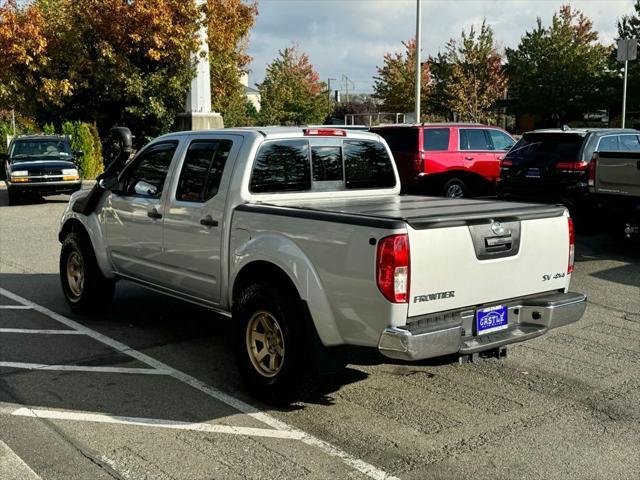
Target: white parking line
column 14, row 307
column 33, row 331
column 355, row 463
column 153, row 422
column 12, row 467
column 82, row 368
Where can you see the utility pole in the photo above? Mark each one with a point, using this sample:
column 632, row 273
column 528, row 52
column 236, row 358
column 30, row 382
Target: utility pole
column 347, row 81
column 627, row 50
column 13, row 121
column 329, row 90
column 418, row 63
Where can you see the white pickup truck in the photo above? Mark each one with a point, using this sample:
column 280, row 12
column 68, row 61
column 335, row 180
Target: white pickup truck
column 302, row 237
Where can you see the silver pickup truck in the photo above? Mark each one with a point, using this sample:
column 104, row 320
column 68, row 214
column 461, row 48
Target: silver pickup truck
column 302, row 237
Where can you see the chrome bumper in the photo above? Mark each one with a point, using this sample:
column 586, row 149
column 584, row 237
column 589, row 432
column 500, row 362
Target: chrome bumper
column 528, row 318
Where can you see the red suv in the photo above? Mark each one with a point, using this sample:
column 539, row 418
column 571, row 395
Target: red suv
column 454, row 160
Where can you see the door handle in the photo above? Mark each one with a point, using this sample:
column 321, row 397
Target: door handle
column 209, row 222
column 468, row 158
column 153, row 213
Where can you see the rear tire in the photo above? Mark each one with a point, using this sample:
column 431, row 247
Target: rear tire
column 271, row 346
column 84, row 286
column 454, row 188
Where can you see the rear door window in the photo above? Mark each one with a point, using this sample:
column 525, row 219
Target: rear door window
column 367, row 165
column 474, row 139
column 435, row 139
column 282, row 166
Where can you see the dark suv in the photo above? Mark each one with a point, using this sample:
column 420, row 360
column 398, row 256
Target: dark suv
column 553, row 165
column 41, row 164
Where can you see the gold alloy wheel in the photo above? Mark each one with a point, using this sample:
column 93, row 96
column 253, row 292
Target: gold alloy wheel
column 75, row 274
column 265, row 343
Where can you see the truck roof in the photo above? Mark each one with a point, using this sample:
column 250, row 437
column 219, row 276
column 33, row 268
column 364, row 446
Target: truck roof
column 585, row 131
column 281, row 132
column 434, row 124
column 39, row 137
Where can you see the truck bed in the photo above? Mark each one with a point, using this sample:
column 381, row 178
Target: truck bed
column 394, row 212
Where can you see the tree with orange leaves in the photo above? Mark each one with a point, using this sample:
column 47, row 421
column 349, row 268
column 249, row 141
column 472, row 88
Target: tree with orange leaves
column 292, row 93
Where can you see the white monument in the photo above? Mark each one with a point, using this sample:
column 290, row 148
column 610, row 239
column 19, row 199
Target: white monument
column 198, row 114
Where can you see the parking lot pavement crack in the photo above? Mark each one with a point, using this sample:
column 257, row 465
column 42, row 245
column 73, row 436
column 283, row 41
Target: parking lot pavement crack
column 16, row 266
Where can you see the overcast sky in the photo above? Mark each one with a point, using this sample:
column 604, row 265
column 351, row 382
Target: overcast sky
column 350, row 37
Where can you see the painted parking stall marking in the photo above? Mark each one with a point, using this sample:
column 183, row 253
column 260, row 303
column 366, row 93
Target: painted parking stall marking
column 277, row 428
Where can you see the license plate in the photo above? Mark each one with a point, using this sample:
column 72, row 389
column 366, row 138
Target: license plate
column 491, row 319
column 532, row 173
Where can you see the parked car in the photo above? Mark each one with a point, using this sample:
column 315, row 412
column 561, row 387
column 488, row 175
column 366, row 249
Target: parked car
column 453, row 160
column 40, row 164
column 302, row 237
column 614, row 180
column 553, row 165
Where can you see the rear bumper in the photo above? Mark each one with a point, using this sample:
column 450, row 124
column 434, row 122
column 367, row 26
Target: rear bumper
column 528, row 318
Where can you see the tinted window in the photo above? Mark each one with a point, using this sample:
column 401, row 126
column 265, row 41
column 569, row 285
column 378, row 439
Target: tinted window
column 146, row 177
column 282, row 166
column 367, row 165
column 629, row 143
column 608, row 144
column 435, row 139
column 400, row 139
column 473, row 139
column 327, row 163
column 546, row 148
column 202, row 170
column 501, row 141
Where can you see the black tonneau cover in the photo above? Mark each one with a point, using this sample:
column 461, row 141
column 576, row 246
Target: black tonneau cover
column 393, row 212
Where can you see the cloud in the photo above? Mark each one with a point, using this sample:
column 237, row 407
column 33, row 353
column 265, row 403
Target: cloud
column 350, row 37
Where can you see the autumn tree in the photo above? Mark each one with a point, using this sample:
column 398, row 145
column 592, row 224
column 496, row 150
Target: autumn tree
column 291, row 91
column 22, row 52
column 228, row 25
column 555, row 73
column 395, row 82
column 469, row 76
column 122, row 62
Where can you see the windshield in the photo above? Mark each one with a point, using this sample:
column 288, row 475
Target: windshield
column 41, row 149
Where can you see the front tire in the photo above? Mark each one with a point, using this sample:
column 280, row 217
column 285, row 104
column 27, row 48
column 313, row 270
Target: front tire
column 85, row 288
column 270, row 343
column 14, row 196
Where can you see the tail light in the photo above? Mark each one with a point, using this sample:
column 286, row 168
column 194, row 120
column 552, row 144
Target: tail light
column 591, row 175
column 418, row 163
column 392, row 268
column 572, row 245
column 506, row 163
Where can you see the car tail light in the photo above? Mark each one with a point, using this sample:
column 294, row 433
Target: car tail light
column 392, row 268
column 571, row 166
column 572, row 245
column 324, row 132
column 418, row 163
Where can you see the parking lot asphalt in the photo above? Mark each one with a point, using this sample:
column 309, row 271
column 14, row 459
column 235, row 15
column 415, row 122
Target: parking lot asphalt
column 149, row 388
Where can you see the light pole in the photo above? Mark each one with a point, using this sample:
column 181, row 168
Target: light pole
column 627, row 50
column 418, row 63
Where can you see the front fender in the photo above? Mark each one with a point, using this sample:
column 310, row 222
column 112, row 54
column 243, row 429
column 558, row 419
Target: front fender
column 92, row 226
column 286, row 255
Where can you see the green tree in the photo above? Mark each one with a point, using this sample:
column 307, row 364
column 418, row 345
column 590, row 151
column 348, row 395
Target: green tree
column 395, row 82
column 556, row 73
column 84, row 137
column 291, row 92
column 469, row 77
column 228, row 25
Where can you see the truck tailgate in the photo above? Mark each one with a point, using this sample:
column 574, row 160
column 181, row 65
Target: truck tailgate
column 465, row 265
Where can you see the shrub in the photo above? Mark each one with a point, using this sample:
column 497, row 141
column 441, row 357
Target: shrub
column 85, row 137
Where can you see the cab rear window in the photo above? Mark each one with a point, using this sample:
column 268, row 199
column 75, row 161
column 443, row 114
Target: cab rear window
column 321, row 165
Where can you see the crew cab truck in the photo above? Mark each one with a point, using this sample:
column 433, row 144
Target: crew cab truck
column 302, row 237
